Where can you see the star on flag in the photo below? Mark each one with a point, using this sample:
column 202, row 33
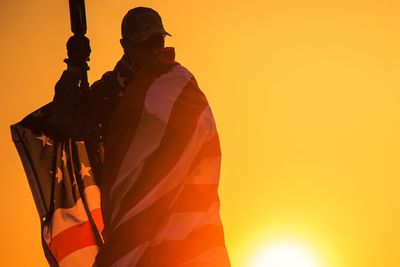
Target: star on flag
column 59, row 175
column 64, row 157
column 85, row 171
column 45, row 140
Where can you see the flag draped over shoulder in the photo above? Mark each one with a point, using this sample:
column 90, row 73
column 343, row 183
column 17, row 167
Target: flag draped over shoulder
column 65, row 191
column 160, row 176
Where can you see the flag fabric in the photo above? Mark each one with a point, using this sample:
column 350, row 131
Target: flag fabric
column 64, row 189
column 158, row 180
column 161, row 174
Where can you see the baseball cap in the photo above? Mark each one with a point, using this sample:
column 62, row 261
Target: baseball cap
column 141, row 23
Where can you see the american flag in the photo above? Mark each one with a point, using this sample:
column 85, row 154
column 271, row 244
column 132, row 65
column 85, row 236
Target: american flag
column 159, row 179
column 64, row 189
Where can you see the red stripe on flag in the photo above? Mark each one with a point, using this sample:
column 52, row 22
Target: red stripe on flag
column 71, row 240
column 98, row 219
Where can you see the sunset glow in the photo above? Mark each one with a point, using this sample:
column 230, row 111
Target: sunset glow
column 306, row 99
column 284, row 254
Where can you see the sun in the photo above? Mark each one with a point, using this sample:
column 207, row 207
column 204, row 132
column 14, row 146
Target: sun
column 284, row 254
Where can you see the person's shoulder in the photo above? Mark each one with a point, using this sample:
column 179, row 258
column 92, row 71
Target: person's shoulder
column 177, row 71
column 108, row 78
column 180, row 75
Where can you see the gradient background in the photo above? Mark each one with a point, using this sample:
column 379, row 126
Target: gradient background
column 306, row 98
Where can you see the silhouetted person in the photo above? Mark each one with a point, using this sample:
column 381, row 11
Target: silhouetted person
column 159, row 179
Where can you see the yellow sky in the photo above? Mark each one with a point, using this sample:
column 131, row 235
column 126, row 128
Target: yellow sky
column 306, row 98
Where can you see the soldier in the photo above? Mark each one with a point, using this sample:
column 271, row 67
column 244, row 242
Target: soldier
column 159, row 179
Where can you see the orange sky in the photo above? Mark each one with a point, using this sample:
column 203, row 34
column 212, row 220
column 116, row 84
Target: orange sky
column 306, row 99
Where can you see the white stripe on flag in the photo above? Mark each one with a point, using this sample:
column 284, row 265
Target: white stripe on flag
column 92, row 196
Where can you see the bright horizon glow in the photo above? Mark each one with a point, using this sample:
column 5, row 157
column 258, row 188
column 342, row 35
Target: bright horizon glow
column 284, row 254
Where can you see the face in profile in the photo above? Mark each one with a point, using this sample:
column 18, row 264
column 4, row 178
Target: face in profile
column 139, row 53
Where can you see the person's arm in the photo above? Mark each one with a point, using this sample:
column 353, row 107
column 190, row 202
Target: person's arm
column 69, row 108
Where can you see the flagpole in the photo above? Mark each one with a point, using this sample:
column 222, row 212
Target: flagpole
column 77, row 13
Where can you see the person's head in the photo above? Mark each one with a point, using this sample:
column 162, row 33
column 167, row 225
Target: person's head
column 142, row 34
